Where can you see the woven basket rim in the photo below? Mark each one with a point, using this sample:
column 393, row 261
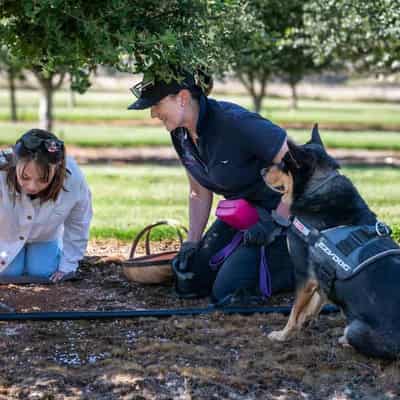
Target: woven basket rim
column 149, row 260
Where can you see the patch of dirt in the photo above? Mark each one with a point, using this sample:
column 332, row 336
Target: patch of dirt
column 132, row 155
column 166, row 155
column 346, row 126
column 211, row 356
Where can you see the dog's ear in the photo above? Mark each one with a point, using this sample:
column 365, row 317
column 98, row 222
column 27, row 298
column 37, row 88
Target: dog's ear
column 295, row 156
column 315, row 137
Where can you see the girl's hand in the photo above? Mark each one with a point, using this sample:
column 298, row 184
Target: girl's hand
column 57, row 276
column 6, row 157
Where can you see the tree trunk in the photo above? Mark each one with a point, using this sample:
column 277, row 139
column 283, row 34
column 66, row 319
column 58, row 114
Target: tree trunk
column 259, row 97
column 47, row 89
column 249, row 80
column 257, row 103
column 46, row 104
column 71, row 94
column 71, row 99
column 294, row 98
column 13, row 101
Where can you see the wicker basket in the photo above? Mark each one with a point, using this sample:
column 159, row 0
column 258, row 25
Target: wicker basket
column 151, row 268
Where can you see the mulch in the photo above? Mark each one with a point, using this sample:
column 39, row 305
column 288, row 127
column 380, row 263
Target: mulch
column 101, row 285
column 213, row 356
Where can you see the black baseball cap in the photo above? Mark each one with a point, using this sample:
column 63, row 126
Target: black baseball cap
column 150, row 92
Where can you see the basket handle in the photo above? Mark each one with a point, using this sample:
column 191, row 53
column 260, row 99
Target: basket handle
column 147, row 231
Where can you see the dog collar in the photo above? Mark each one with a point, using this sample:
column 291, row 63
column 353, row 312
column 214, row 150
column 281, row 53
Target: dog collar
column 331, row 176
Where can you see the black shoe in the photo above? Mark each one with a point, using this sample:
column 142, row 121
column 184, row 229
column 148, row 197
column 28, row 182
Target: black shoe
column 185, row 290
column 241, row 297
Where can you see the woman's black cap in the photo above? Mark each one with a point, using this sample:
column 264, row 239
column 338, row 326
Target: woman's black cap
column 149, row 93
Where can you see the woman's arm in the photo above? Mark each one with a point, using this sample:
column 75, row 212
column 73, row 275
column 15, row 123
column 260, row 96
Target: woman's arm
column 200, row 201
column 283, row 208
column 278, row 158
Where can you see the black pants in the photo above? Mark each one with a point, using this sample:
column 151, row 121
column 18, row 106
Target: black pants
column 241, row 269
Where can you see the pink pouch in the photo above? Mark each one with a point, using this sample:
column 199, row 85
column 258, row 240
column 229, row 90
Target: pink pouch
column 239, row 213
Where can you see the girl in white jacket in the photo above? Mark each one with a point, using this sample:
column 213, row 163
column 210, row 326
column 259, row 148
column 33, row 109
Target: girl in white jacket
column 45, row 209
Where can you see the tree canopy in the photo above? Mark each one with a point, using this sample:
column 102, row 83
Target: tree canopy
column 54, row 38
column 365, row 34
column 57, row 38
column 139, row 36
column 272, row 41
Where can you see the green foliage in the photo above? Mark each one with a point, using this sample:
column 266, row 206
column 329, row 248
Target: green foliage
column 140, row 36
column 365, row 33
column 271, row 41
column 72, row 37
column 294, row 58
column 8, row 62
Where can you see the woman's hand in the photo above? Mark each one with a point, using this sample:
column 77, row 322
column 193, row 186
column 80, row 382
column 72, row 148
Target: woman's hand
column 263, row 232
column 57, row 276
column 181, row 260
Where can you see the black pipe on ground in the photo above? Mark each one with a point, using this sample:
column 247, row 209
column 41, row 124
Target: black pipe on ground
column 158, row 313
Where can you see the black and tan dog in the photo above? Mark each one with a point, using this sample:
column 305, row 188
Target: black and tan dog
column 341, row 252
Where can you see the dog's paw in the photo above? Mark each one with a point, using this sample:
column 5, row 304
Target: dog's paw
column 277, row 336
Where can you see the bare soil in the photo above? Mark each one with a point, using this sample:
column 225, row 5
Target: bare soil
column 166, row 155
column 213, row 356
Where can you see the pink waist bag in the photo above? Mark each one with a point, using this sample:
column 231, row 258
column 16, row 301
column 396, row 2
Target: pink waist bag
column 239, row 213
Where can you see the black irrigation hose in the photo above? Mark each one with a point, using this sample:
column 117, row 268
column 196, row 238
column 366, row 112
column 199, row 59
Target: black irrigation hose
column 159, row 313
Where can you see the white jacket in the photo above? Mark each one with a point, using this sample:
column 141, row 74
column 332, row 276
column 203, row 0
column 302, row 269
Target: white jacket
column 66, row 220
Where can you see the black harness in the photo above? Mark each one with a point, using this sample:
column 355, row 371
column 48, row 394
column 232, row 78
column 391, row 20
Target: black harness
column 342, row 252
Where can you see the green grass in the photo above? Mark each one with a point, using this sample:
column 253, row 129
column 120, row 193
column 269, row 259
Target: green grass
column 106, row 106
column 95, row 135
column 369, row 140
column 91, row 106
column 128, row 198
column 98, row 135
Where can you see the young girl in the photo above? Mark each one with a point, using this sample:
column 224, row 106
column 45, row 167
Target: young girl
column 45, row 209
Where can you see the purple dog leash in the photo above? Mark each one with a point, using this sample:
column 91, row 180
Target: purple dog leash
column 264, row 274
column 218, row 258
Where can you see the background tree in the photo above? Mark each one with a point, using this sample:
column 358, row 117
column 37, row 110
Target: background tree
column 271, row 42
column 364, row 33
column 13, row 70
column 294, row 58
column 53, row 38
column 253, row 45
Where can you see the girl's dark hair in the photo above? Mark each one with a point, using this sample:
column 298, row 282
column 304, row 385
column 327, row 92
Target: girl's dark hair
column 46, row 150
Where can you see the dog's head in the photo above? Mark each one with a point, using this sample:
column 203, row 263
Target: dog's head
column 293, row 175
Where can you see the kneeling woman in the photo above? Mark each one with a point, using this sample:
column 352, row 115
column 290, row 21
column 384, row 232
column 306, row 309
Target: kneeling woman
column 45, row 210
column 223, row 148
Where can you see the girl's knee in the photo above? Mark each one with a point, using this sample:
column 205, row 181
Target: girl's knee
column 16, row 267
column 42, row 259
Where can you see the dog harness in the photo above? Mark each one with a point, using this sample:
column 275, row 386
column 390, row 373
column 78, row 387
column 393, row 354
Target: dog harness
column 344, row 251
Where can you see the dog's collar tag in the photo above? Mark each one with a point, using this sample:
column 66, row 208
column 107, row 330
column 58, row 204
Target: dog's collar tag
column 300, row 227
